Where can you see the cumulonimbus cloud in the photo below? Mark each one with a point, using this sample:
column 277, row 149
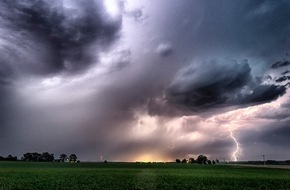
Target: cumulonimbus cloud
column 54, row 36
column 214, row 84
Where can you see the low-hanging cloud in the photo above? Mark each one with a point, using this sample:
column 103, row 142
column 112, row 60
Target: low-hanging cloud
column 216, row 84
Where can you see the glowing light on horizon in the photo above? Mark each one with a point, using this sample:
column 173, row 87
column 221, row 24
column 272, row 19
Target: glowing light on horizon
column 150, row 158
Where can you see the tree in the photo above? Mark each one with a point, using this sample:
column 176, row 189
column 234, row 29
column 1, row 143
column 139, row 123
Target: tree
column 46, row 157
column 213, row 162
column 177, row 160
column 184, row 161
column 63, row 157
column 217, row 161
column 36, row 157
column 209, row 162
column 191, row 160
column 27, row 157
column 73, row 158
column 201, row 159
column 11, row 158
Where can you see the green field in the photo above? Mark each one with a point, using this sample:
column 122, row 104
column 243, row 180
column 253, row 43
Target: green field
column 28, row 175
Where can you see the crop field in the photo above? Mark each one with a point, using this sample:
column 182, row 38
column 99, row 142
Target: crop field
column 29, row 175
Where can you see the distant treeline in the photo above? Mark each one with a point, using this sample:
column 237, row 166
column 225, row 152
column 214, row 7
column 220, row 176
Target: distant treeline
column 44, row 157
column 8, row 158
column 201, row 159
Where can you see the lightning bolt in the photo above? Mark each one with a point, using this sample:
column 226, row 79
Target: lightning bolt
column 237, row 150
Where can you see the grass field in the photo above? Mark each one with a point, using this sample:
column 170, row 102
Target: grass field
column 26, row 175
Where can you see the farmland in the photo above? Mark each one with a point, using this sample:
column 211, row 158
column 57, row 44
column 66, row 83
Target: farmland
column 30, row 175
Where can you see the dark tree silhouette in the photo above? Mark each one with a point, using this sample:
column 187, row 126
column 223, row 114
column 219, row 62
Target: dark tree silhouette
column 184, row 161
column 201, row 159
column 27, row 157
column 209, row 162
column 36, row 157
column 177, row 161
column 213, row 162
column 63, row 157
column 191, row 160
column 8, row 158
column 217, row 161
column 46, row 157
column 73, row 158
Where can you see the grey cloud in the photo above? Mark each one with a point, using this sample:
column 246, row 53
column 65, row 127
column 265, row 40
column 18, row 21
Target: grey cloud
column 286, row 104
column 285, row 72
column 282, row 79
column 268, row 77
column 213, row 34
column 279, row 64
column 214, row 84
column 209, row 84
column 271, row 139
column 275, row 114
column 137, row 14
column 64, row 33
column 40, row 39
column 277, row 135
column 263, row 93
column 122, row 59
column 164, row 49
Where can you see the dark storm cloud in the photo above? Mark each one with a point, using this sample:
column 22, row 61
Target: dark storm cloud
column 39, row 40
column 263, row 93
column 208, row 84
column 285, row 72
column 63, row 33
column 216, row 84
column 282, row 79
column 252, row 28
column 98, row 113
column 279, row 64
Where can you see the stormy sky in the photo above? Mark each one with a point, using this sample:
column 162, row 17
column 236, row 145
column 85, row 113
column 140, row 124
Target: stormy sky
column 139, row 80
